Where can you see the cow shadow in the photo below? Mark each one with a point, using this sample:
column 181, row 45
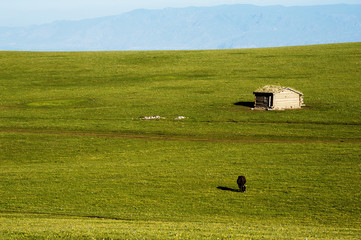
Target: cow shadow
column 245, row 104
column 228, row 189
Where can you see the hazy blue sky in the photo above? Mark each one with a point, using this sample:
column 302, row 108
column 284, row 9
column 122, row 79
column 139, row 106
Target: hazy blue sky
column 27, row 12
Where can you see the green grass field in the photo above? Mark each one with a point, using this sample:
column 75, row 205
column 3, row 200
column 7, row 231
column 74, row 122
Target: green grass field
column 77, row 161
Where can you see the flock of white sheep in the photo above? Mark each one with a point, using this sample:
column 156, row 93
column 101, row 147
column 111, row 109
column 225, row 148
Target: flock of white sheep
column 159, row 117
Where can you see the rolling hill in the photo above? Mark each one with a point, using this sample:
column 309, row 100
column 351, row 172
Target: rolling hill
column 220, row 27
column 78, row 159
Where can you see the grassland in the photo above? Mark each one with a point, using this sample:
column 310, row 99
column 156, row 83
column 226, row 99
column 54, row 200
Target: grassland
column 78, row 162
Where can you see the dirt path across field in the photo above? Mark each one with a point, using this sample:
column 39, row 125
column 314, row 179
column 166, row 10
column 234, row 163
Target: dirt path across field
column 171, row 138
column 61, row 215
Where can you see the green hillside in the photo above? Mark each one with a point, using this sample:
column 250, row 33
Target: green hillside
column 78, row 160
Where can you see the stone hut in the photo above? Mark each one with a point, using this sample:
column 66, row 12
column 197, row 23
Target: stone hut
column 277, row 98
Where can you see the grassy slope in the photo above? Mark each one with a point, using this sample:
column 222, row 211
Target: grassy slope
column 73, row 149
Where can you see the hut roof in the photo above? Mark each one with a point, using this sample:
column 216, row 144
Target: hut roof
column 274, row 89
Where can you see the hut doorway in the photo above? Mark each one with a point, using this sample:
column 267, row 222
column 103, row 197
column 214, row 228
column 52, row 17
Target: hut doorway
column 264, row 101
column 268, row 101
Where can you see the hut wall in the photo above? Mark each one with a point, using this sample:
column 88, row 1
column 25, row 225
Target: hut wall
column 286, row 100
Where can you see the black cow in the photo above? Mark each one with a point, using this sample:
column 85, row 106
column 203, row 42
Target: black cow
column 241, row 181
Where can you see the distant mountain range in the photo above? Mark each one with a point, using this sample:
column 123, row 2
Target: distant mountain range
column 220, row 27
